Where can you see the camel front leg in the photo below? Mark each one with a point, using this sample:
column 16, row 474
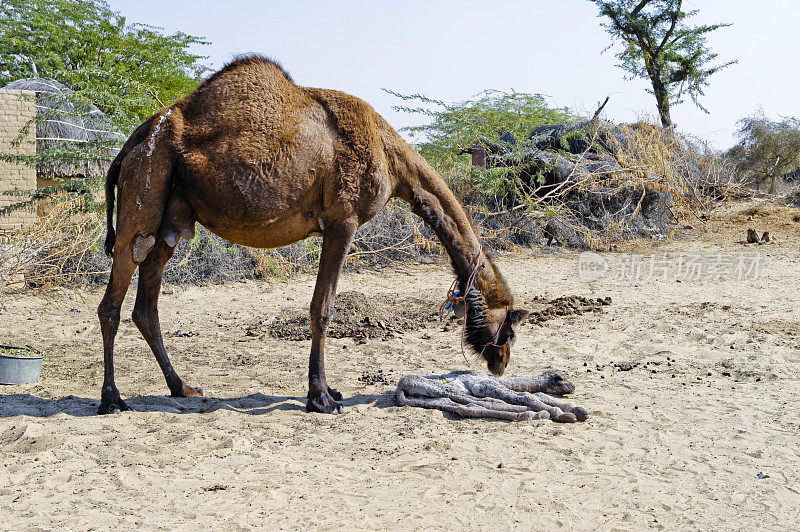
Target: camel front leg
column 336, row 240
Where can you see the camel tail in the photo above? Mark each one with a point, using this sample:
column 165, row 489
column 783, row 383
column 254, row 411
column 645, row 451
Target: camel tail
column 111, row 183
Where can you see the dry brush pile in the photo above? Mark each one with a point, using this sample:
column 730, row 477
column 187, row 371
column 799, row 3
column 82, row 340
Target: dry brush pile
column 64, row 248
column 590, row 185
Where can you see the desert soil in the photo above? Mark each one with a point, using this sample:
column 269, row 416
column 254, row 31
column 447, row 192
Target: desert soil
column 692, row 388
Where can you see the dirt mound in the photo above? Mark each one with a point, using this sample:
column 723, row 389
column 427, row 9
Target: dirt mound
column 357, row 315
column 543, row 310
column 363, row 317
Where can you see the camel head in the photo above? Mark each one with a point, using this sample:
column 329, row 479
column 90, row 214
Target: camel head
column 491, row 331
column 555, row 383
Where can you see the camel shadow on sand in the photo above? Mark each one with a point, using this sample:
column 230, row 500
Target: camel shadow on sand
column 24, row 404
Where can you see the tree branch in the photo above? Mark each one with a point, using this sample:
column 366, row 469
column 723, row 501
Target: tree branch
column 638, row 8
column 674, row 18
column 599, row 110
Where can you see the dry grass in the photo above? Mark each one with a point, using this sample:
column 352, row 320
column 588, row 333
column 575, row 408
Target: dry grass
column 677, row 164
column 61, row 248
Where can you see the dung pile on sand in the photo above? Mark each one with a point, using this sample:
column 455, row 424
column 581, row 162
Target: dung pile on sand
column 357, row 316
column 362, row 317
column 543, row 310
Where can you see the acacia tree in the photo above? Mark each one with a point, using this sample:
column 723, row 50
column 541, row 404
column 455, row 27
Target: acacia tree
column 127, row 70
column 660, row 46
column 491, row 117
column 767, row 149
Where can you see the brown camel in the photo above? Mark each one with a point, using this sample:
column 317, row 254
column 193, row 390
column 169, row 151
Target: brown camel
column 263, row 162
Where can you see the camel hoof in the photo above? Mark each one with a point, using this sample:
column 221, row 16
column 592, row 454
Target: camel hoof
column 335, row 394
column 581, row 413
column 566, row 417
column 324, row 403
column 110, row 401
column 112, row 407
column 189, row 391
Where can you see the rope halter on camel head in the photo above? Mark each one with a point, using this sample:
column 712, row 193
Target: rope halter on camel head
column 456, row 299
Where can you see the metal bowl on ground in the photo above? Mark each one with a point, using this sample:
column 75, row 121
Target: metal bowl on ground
column 19, row 365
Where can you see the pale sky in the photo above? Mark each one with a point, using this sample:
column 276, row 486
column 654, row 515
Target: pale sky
column 452, row 50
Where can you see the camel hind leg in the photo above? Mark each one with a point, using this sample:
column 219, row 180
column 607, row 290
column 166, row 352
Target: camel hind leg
column 108, row 312
column 144, row 184
column 145, row 315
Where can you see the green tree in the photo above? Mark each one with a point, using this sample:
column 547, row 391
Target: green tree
column 767, row 149
column 127, row 70
column 661, row 47
column 488, row 118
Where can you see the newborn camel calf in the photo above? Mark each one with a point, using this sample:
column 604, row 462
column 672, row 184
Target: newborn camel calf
column 476, row 394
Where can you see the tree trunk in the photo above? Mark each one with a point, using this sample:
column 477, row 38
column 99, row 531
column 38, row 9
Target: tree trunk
column 662, row 100
column 773, row 174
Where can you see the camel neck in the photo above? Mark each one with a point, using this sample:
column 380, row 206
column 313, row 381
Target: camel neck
column 432, row 200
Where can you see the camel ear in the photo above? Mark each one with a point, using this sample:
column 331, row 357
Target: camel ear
column 516, row 316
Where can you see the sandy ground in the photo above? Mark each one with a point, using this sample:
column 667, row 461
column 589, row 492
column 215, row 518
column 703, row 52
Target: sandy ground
column 702, row 434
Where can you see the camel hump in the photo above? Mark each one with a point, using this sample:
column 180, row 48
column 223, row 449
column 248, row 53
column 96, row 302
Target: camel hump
column 251, row 105
column 358, row 124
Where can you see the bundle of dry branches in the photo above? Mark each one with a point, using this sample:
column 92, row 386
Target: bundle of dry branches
column 641, row 182
column 60, row 248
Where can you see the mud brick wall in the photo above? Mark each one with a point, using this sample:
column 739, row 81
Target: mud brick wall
column 17, row 108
